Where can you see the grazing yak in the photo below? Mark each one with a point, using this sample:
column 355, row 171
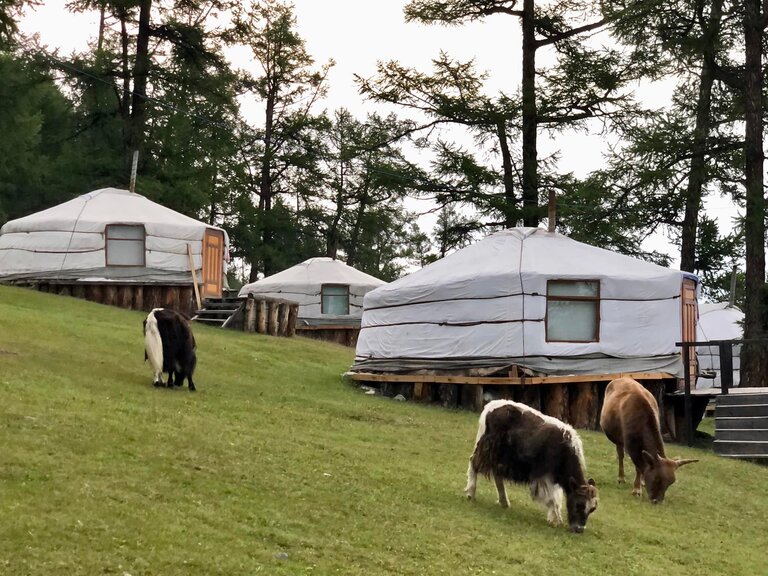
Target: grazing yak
column 630, row 419
column 519, row 444
column 169, row 345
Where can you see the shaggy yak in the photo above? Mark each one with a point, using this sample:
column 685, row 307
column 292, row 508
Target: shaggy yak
column 517, row 443
column 630, row 419
column 169, row 345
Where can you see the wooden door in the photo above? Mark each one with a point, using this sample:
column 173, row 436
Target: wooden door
column 213, row 263
column 690, row 312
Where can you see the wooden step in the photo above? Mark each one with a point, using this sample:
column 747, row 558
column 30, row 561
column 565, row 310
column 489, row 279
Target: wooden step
column 741, row 410
column 739, row 434
column 745, row 448
column 741, row 399
column 211, row 321
column 740, row 423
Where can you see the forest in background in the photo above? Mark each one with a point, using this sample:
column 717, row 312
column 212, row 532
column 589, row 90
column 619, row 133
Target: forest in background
column 299, row 181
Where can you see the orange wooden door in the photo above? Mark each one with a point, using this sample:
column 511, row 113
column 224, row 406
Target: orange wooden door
column 213, row 263
column 690, row 312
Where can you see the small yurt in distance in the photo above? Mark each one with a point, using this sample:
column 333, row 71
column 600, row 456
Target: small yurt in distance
column 329, row 293
column 528, row 305
column 116, row 247
column 718, row 321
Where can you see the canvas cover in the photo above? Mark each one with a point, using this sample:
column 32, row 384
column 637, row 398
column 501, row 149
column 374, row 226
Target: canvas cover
column 67, row 242
column 718, row 321
column 303, row 283
column 485, row 306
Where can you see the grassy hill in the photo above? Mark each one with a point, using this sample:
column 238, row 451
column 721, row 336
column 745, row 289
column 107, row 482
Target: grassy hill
column 275, row 466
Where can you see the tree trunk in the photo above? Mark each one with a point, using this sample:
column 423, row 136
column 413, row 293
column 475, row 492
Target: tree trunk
column 140, row 73
column 530, row 169
column 510, row 202
column 265, row 184
column 355, row 235
column 125, row 99
column 698, row 174
column 755, row 365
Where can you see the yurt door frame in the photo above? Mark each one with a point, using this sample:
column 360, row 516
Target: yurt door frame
column 213, row 260
column 689, row 315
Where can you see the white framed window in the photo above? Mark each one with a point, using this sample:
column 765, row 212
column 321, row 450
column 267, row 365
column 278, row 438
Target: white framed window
column 573, row 311
column 335, row 299
column 125, row 245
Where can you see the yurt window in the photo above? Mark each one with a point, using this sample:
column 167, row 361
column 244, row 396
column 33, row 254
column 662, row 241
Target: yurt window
column 125, row 245
column 335, row 298
column 573, row 311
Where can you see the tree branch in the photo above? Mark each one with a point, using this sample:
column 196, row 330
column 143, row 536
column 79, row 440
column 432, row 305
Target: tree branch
column 568, row 33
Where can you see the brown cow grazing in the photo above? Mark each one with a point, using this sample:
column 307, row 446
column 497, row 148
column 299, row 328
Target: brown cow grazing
column 519, row 444
column 630, row 419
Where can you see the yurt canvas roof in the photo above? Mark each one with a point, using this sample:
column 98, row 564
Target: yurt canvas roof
column 304, row 282
column 718, row 321
column 487, row 306
column 68, row 241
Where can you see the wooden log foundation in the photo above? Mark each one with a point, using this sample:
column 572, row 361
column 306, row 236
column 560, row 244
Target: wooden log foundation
column 584, row 409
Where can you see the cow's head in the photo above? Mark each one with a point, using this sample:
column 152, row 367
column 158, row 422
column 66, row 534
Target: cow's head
column 659, row 474
column 581, row 502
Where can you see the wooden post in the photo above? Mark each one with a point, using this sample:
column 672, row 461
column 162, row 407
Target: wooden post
column 125, row 297
column 449, row 395
column 472, row 397
column 93, row 292
column 293, row 315
column 134, row 166
column 110, row 295
column 172, row 297
column 583, row 407
column 283, row 313
column 556, row 402
column 78, row 291
column 194, row 277
column 551, row 212
column 250, row 314
column 138, row 298
column 272, row 320
column 155, row 297
column 261, row 316
column 531, row 396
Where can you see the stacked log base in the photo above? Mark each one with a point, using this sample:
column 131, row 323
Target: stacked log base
column 346, row 336
column 270, row 316
column 577, row 403
column 130, row 296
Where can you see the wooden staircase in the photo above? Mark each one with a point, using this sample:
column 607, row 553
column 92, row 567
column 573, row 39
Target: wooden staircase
column 219, row 311
column 741, row 425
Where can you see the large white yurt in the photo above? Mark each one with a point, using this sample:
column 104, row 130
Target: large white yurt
column 717, row 321
column 534, row 299
column 328, row 291
column 113, row 236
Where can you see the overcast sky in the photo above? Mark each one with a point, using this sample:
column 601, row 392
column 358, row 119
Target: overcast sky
column 358, row 33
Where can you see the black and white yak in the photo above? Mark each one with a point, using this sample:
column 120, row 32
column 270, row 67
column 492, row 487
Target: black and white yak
column 519, row 444
column 169, row 345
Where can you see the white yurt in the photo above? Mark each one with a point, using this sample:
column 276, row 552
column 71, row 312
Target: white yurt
column 534, row 299
column 113, row 236
column 327, row 290
column 717, row 321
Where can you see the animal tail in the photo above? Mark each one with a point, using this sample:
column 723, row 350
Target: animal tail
column 153, row 344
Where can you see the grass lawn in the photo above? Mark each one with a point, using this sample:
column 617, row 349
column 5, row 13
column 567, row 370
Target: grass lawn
column 275, row 466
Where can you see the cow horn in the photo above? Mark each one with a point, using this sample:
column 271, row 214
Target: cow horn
column 684, row 462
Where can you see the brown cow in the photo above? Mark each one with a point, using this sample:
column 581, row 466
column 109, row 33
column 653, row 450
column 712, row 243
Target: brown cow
column 630, row 419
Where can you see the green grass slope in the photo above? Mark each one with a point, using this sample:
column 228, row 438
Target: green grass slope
column 277, row 467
